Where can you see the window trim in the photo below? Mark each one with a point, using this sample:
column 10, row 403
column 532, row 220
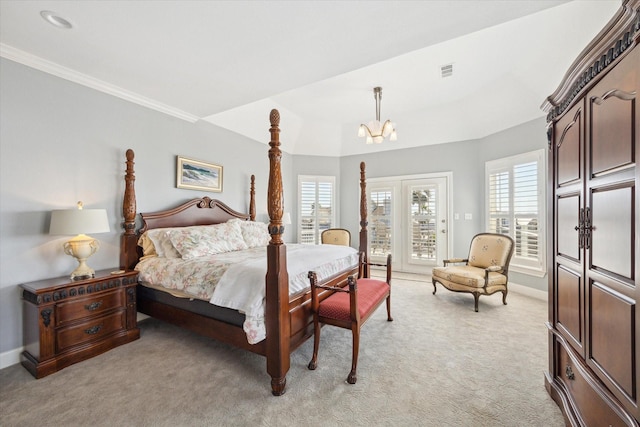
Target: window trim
column 538, row 267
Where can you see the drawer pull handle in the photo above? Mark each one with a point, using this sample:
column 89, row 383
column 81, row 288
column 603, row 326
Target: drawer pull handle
column 569, row 372
column 93, row 306
column 93, row 330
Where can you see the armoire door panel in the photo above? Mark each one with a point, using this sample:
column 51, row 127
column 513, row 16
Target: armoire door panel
column 612, row 338
column 568, row 208
column 569, row 306
column 569, row 129
column 613, row 116
column 612, row 237
column 612, row 130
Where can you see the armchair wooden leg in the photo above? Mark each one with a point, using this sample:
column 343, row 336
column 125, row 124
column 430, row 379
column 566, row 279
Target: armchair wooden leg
column 434, row 286
column 355, row 330
column 504, row 297
column 476, row 296
column 313, row 364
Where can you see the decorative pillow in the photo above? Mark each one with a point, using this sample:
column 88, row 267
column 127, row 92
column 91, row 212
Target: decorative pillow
column 155, row 242
column 160, row 239
column 193, row 242
column 255, row 234
column 148, row 249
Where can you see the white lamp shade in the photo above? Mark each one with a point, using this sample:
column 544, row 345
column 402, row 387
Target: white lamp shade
column 79, row 221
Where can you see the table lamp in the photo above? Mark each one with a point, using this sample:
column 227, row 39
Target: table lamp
column 80, row 222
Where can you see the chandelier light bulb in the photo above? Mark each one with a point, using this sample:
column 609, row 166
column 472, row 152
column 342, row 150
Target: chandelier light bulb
column 375, row 131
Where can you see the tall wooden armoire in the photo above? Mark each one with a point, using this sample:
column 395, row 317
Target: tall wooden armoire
column 594, row 242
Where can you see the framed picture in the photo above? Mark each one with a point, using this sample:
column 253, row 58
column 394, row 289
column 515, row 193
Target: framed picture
column 197, row 175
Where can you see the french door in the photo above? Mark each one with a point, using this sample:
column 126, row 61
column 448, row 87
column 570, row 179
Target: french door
column 408, row 218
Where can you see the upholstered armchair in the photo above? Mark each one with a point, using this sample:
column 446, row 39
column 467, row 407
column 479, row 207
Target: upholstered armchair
column 336, row 236
column 484, row 272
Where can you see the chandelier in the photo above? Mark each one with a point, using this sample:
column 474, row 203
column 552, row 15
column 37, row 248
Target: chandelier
column 374, row 130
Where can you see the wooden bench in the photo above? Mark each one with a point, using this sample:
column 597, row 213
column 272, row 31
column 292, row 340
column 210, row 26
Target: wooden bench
column 349, row 308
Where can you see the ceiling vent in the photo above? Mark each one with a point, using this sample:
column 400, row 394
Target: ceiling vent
column 446, row 70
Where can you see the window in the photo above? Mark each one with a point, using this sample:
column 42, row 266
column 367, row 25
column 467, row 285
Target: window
column 515, row 207
column 316, row 207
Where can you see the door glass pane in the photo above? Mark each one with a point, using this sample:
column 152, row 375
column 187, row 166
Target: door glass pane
column 381, row 222
column 423, row 223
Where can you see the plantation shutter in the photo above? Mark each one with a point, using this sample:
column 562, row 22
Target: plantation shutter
column 316, row 195
column 515, row 201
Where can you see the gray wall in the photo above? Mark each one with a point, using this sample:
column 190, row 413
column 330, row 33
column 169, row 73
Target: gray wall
column 466, row 160
column 61, row 142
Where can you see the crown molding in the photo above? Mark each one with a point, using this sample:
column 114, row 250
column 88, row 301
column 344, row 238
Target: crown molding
column 22, row 57
column 614, row 41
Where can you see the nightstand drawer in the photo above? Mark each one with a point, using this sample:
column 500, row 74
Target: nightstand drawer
column 91, row 330
column 89, row 306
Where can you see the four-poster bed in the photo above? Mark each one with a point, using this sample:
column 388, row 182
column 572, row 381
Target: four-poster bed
column 287, row 317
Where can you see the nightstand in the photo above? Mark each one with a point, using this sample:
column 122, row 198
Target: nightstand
column 67, row 321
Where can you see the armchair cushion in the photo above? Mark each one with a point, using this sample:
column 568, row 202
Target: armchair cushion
column 490, row 249
column 468, row 276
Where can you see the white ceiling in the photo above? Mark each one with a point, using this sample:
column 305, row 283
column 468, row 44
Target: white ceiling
column 230, row 62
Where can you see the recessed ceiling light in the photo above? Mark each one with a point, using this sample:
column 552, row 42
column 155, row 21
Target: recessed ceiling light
column 55, row 20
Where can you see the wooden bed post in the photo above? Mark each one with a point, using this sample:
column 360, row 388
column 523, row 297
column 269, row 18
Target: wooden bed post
column 277, row 279
column 364, row 240
column 252, row 201
column 128, row 240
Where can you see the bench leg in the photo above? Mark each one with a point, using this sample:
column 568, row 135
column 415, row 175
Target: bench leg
column 313, row 364
column 355, row 331
column 389, row 318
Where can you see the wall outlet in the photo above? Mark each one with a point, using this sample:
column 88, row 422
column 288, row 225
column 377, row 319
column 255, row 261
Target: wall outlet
column 468, row 216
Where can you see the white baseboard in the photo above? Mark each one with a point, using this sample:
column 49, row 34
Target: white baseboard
column 530, row 292
column 10, row 357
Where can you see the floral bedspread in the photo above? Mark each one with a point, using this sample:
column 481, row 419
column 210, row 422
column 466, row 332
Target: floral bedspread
column 237, row 279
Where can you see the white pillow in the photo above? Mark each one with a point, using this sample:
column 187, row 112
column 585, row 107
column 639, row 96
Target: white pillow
column 193, row 242
column 156, row 242
column 255, row 234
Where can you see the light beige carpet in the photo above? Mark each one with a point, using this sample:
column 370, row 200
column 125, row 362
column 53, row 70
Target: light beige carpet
column 438, row 363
